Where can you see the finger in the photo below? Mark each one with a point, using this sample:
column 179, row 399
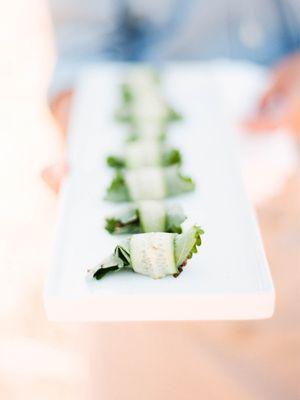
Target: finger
column 60, row 108
column 56, row 102
column 61, row 97
column 261, row 124
column 53, row 175
column 272, row 96
column 291, row 117
column 267, row 97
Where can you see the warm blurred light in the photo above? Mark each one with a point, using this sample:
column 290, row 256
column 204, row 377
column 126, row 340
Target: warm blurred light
column 33, row 355
column 39, row 360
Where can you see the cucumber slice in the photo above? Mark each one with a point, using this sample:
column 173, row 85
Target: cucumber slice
column 149, row 128
column 146, row 183
column 125, row 222
column 142, row 89
column 143, row 153
column 177, row 183
column 186, row 244
column 118, row 190
column 152, row 254
column 150, row 107
column 142, row 76
column 152, row 216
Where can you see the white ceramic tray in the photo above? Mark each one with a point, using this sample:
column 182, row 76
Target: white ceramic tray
column 228, row 279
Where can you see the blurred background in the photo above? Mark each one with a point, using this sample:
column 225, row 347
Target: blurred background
column 42, row 360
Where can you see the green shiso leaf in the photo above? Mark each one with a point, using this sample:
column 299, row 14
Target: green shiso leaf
column 100, row 272
column 117, row 191
column 128, row 216
column 122, row 115
column 173, row 115
column 176, row 182
column 111, row 225
column 174, row 218
column 127, row 222
column 134, row 136
column 186, row 244
column 115, row 162
column 127, row 94
column 118, row 260
column 171, row 157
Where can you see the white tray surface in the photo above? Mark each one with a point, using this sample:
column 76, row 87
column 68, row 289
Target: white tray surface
column 229, row 277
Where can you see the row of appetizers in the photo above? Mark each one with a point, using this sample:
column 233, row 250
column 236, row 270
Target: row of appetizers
column 146, row 173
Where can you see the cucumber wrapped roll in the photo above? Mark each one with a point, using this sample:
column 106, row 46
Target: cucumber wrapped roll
column 151, row 109
column 145, row 153
column 156, row 255
column 142, row 98
column 147, row 130
column 147, row 216
column 148, row 183
column 148, row 109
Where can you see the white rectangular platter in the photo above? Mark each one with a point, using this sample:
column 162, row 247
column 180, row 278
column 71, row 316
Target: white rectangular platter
column 228, row 279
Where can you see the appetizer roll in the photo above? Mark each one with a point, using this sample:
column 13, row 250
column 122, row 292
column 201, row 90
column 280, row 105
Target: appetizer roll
column 143, row 130
column 156, row 255
column 143, row 100
column 145, row 153
column 147, row 216
column 148, row 109
column 148, row 183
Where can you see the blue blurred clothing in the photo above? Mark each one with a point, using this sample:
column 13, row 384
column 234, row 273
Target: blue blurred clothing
column 261, row 31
